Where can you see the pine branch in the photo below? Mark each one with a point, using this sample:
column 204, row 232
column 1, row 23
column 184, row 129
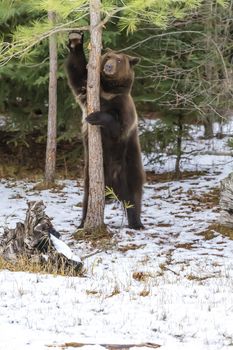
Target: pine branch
column 25, row 43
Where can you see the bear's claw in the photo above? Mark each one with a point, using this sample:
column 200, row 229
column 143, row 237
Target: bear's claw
column 93, row 119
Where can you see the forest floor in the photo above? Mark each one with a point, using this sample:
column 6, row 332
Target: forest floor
column 170, row 285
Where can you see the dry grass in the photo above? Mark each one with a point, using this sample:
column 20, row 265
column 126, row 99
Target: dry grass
column 100, row 239
column 130, row 246
column 199, row 278
column 141, row 276
column 106, row 346
column 208, row 200
column 25, row 264
column 115, row 291
column 46, row 186
column 92, row 292
column 171, row 176
column 144, row 293
column 18, row 172
column 210, row 232
column 188, row 246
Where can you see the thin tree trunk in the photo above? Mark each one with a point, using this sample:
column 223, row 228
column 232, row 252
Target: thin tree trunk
column 52, row 113
column 179, row 147
column 95, row 212
column 209, row 67
column 208, row 127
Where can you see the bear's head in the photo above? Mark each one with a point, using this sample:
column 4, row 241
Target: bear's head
column 117, row 73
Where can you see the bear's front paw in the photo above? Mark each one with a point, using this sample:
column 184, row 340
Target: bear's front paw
column 94, row 118
column 75, row 39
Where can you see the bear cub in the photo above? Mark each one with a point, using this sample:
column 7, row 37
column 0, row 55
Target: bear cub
column 123, row 169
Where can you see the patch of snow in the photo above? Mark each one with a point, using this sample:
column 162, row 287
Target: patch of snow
column 64, row 249
column 3, row 121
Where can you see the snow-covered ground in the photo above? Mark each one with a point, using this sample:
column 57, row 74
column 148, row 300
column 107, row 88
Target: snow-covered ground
column 165, row 285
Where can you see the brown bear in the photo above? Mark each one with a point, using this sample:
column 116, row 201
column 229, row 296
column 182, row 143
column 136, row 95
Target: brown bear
column 123, row 169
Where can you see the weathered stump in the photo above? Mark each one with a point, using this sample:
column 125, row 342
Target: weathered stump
column 226, row 202
column 38, row 241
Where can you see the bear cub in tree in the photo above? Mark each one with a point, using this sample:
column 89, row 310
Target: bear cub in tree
column 123, row 169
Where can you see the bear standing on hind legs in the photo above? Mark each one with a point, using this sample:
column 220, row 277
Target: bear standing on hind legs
column 123, row 169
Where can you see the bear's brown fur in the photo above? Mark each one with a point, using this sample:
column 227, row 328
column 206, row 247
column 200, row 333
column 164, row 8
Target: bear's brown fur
column 117, row 118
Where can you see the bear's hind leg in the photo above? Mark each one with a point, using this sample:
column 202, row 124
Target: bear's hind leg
column 134, row 212
column 130, row 197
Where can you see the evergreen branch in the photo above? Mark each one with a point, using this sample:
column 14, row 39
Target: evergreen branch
column 109, row 16
column 62, row 7
column 139, row 43
column 20, row 47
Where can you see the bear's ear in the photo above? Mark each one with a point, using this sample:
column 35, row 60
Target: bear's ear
column 134, row 60
column 107, row 49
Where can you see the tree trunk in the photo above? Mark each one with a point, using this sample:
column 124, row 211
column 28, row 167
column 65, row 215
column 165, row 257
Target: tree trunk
column 209, row 66
column 52, row 113
column 226, row 202
column 179, row 147
column 208, row 127
column 95, row 211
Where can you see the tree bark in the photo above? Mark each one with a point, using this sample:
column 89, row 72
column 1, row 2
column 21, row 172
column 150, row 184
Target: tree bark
column 50, row 164
column 226, row 202
column 95, row 211
column 179, row 146
column 208, row 126
column 209, row 66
